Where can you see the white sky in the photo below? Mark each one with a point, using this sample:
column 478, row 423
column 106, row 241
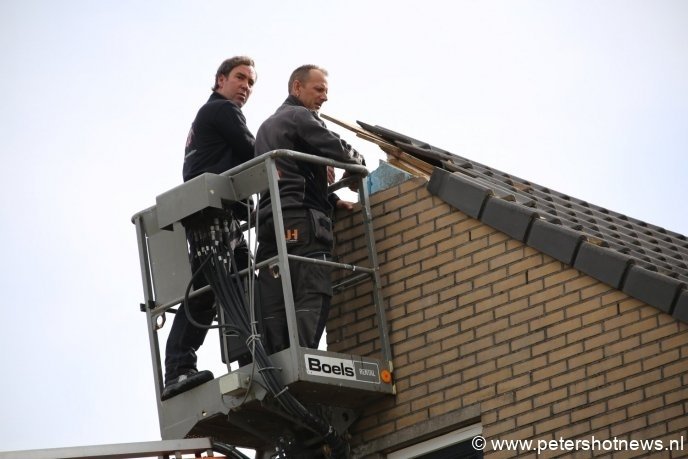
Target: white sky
column 589, row 98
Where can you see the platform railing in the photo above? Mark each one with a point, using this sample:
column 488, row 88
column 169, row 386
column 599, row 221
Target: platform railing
column 163, row 254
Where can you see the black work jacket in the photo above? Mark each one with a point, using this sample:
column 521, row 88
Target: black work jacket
column 218, row 139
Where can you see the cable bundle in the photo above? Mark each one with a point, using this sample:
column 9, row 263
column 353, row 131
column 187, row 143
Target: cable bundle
column 213, row 244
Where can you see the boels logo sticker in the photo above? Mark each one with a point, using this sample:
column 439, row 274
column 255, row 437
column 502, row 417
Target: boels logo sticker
column 331, row 367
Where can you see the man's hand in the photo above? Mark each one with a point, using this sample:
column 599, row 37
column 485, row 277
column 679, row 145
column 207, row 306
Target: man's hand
column 330, row 175
column 347, row 205
column 354, row 185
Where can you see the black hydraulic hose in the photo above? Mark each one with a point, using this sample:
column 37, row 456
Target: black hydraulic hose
column 187, row 309
column 228, row 450
column 221, row 272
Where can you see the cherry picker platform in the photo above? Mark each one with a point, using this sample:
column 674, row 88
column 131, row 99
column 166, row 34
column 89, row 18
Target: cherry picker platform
column 298, row 402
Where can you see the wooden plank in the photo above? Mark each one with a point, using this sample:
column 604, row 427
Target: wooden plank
column 363, row 134
column 433, row 157
column 378, row 141
column 351, row 127
column 402, row 159
column 415, row 162
column 403, row 165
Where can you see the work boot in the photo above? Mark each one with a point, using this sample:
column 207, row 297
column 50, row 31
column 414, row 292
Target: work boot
column 184, row 382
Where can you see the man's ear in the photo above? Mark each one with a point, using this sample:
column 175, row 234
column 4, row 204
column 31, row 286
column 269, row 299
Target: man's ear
column 296, row 88
column 221, row 81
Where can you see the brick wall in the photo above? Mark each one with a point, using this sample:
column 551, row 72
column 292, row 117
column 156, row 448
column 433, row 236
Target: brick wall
column 485, row 329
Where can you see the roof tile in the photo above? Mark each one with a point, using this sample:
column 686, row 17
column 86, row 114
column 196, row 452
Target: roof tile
column 602, row 263
column 681, row 309
column 555, row 240
column 510, row 218
column 653, row 288
column 459, row 191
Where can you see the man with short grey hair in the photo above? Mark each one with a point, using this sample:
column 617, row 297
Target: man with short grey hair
column 306, row 209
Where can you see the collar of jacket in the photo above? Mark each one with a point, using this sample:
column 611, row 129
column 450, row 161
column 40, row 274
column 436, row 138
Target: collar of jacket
column 293, row 100
column 217, row 96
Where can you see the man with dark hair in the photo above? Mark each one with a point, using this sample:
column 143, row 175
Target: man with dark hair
column 306, row 209
column 218, row 141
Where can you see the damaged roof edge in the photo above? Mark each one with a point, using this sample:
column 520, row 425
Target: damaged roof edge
column 568, row 245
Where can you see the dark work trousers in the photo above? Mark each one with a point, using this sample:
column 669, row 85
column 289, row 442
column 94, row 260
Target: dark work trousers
column 308, row 234
column 185, row 338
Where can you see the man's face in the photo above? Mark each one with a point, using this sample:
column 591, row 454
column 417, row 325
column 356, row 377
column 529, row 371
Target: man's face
column 313, row 92
column 238, row 85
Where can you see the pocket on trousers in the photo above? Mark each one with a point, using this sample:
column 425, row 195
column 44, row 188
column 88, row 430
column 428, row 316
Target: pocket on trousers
column 322, row 227
column 310, row 278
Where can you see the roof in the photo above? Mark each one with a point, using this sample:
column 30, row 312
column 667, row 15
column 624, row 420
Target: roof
column 643, row 260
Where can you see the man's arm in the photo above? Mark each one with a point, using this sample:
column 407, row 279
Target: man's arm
column 231, row 123
column 322, row 141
